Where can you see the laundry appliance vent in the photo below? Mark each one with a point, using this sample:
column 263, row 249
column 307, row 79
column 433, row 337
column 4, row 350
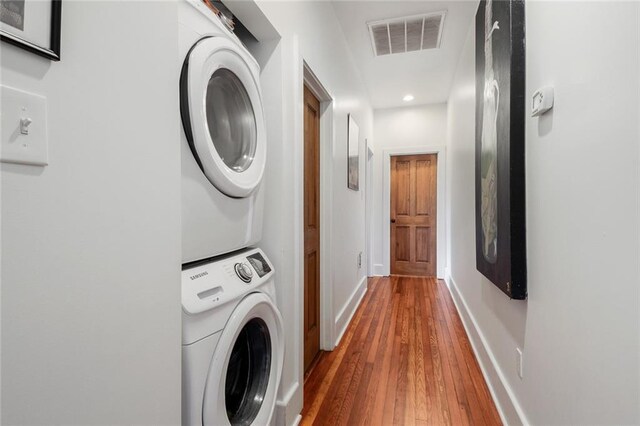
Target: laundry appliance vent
column 407, row 34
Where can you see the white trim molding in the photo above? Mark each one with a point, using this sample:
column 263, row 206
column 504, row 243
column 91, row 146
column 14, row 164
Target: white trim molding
column 295, row 403
column 349, row 309
column 510, row 411
column 283, row 414
column 440, row 200
column 327, row 330
column 368, row 188
column 378, row 270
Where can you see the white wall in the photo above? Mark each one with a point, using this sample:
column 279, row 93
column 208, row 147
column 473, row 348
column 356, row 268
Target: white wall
column 91, row 243
column 308, row 32
column 579, row 329
column 422, row 126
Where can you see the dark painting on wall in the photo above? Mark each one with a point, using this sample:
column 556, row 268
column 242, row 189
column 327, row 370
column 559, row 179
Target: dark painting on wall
column 500, row 145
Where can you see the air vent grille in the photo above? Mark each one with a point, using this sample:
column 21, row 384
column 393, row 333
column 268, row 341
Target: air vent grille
column 408, row 34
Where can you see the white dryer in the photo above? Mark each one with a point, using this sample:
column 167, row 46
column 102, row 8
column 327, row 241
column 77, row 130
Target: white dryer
column 224, row 138
column 233, row 343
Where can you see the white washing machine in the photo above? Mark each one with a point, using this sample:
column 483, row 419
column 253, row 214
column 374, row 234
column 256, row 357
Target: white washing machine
column 223, row 140
column 233, row 343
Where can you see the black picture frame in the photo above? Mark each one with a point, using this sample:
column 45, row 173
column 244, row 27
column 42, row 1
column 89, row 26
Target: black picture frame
column 51, row 52
column 500, row 145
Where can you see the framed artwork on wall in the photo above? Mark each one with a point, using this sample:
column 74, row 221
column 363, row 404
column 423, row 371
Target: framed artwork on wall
column 500, row 145
column 33, row 25
column 353, row 153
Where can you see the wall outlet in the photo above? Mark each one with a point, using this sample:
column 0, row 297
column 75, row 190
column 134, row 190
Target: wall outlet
column 359, row 260
column 519, row 362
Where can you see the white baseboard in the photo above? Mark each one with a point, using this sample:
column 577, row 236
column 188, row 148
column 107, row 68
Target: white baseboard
column 378, row 270
column 287, row 411
column 346, row 313
column 508, row 407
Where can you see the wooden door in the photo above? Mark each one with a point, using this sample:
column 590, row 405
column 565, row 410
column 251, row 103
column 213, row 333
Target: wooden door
column 311, row 228
column 413, row 214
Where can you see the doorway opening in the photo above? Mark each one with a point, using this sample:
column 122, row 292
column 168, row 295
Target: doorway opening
column 413, row 214
column 318, row 322
column 311, row 228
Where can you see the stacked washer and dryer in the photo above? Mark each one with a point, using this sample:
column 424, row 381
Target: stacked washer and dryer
column 233, row 343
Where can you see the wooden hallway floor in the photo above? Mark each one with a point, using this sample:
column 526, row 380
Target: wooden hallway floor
column 405, row 359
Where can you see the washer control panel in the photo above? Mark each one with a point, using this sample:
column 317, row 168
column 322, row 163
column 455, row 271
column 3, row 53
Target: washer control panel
column 259, row 263
column 206, row 285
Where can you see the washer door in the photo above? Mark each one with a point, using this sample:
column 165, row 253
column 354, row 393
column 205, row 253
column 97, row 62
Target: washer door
column 221, row 107
column 245, row 370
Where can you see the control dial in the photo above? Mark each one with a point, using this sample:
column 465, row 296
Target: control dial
column 244, row 272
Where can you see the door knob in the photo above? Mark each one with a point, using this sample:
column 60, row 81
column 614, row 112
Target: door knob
column 393, row 221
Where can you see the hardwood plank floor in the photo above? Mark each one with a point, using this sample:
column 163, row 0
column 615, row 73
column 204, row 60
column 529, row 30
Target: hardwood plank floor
column 405, row 359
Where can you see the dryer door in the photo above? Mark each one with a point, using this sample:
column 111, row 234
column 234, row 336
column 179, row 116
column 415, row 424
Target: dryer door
column 221, row 107
column 245, row 370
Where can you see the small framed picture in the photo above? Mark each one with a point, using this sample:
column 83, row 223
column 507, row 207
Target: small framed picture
column 33, row 25
column 353, row 155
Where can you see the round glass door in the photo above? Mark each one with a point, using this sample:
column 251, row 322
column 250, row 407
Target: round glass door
column 247, row 375
column 222, row 115
column 246, row 367
column 231, row 120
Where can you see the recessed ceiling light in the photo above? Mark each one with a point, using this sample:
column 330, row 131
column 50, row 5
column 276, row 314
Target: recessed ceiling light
column 408, row 98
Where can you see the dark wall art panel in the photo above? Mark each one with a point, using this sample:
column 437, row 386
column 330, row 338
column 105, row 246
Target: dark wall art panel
column 500, row 145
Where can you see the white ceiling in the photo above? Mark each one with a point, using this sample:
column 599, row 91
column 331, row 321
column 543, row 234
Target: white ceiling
column 426, row 74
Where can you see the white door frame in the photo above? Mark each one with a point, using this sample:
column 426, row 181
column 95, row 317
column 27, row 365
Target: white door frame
column 327, row 327
column 369, row 207
column 440, row 200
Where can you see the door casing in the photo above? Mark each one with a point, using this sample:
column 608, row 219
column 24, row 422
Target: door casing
column 416, row 216
column 440, row 197
column 327, row 315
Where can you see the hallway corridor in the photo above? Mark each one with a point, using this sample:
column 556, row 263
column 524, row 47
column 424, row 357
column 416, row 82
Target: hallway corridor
column 405, row 359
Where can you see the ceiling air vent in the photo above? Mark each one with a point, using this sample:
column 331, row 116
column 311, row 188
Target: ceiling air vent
column 408, row 34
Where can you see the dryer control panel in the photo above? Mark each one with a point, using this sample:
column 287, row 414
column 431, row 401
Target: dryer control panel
column 206, row 285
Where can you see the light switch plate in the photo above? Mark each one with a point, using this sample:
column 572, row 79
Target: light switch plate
column 23, row 127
